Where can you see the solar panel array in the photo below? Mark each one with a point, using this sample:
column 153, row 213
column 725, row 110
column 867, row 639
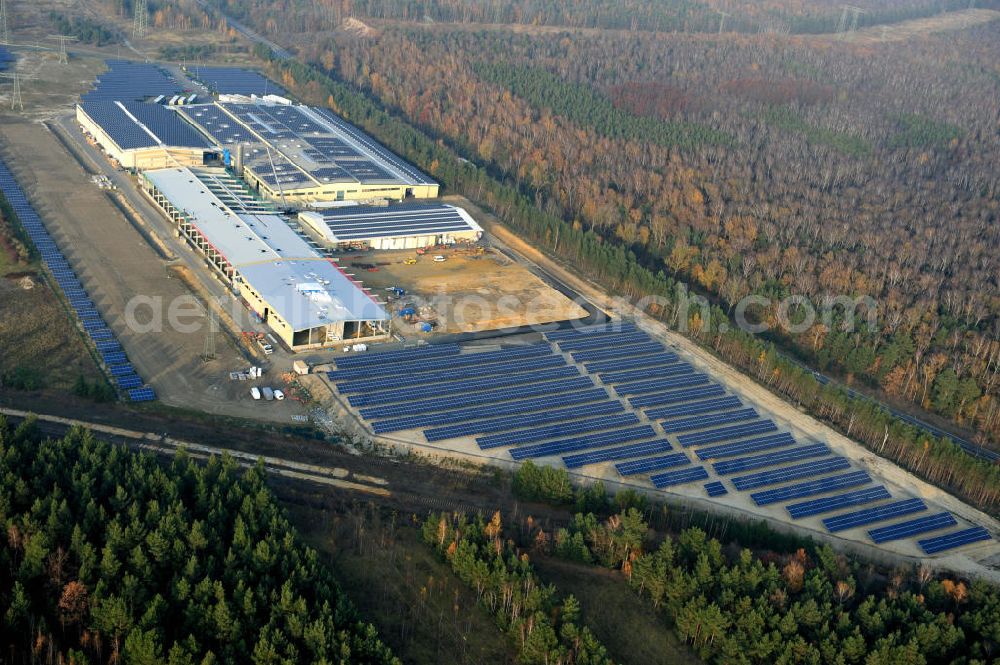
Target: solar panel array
column 364, row 222
column 376, row 148
column 616, row 396
column 90, row 319
column 132, row 125
column 301, row 144
column 236, row 81
column 133, row 81
column 715, row 488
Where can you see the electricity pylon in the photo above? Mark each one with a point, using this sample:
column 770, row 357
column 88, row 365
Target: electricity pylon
column 15, row 95
column 63, row 56
column 140, row 22
column 4, row 34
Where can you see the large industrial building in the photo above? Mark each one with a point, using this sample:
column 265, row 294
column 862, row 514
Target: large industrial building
column 298, row 154
column 288, row 153
column 142, row 136
column 306, row 299
column 404, row 226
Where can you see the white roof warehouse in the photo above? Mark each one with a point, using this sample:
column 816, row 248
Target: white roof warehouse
column 303, row 296
column 404, row 226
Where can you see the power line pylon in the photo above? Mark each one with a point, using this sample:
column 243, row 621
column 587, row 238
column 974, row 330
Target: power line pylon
column 15, row 95
column 722, row 19
column 849, row 20
column 4, row 33
column 140, row 22
column 63, row 56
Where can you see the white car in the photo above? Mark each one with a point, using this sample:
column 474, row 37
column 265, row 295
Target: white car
column 278, row 395
column 439, row 259
column 255, row 392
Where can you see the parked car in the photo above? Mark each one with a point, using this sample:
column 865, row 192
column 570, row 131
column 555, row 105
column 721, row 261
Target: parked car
column 278, row 395
column 268, row 393
column 439, row 259
column 255, row 392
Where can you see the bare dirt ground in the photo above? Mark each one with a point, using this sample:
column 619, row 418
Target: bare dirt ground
column 468, row 292
column 36, row 334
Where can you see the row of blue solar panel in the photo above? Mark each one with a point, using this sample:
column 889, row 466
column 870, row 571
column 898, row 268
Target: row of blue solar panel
column 423, row 364
column 811, row 488
column 583, row 442
column 726, row 433
column 708, row 420
column 954, row 539
column 429, row 351
column 795, row 454
column 715, row 488
column 660, row 385
column 880, row 513
column 518, row 366
column 604, row 341
column 676, row 396
column 90, row 318
column 831, row 503
column 753, row 445
column 126, row 80
column 236, row 81
column 641, row 373
column 694, row 408
column 618, row 364
column 628, row 351
column 536, row 434
column 793, row 472
column 616, row 326
column 488, row 411
column 679, row 477
column 464, row 386
column 418, row 407
column 620, row 452
column 508, row 423
column 648, row 464
column 912, row 527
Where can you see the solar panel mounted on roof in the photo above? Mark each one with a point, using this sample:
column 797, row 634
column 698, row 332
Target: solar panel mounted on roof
column 363, row 222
